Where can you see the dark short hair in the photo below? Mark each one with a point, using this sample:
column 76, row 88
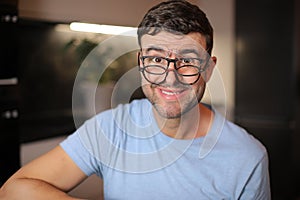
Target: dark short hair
column 176, row 16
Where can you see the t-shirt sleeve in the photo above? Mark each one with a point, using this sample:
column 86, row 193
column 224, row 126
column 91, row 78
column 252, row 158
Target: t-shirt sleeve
column 76, row 148
column 258, row 185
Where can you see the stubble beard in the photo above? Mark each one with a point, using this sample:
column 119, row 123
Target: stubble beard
column 176, row 109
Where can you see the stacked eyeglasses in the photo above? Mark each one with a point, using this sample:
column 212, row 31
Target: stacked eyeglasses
column 187, row 71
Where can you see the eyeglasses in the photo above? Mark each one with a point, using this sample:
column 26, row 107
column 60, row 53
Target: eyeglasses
column 187, row 71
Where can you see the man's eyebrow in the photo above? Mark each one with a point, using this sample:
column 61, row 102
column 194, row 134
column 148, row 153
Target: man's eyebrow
column 154, row 48
column 187, row 51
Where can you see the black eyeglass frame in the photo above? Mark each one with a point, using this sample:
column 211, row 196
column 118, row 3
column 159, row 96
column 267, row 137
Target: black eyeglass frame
column 166, row 71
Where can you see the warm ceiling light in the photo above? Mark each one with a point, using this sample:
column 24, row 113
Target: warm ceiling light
column 104, row 29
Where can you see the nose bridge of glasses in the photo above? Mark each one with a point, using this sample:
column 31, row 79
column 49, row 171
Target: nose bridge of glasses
column 172, row 64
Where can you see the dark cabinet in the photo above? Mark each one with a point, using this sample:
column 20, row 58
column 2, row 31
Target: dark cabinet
column 9, row 113
column 9, row 132
column 266, row 89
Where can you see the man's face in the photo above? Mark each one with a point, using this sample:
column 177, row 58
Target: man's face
column 171, row 98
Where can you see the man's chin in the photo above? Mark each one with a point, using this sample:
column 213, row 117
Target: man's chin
column 166, row 113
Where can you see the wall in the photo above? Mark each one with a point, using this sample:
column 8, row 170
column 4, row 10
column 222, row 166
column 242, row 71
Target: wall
column 222, row 17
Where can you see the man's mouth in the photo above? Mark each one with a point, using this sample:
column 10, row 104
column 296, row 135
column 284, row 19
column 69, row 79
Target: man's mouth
column 170, row 94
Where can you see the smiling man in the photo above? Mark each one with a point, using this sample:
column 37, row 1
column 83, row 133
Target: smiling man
column 166, row 146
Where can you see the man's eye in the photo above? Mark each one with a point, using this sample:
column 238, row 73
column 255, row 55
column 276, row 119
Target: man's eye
column 157, row 59
column 186, row 60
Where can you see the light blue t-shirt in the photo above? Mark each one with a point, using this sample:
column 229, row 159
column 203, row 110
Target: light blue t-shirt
column 136, row 161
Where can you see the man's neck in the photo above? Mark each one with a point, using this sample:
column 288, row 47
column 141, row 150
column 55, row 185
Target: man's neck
column 193, row 124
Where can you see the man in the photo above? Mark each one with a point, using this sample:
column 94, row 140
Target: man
column 168, row 146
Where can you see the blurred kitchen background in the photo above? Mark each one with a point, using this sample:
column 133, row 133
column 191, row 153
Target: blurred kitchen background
column 257, row 44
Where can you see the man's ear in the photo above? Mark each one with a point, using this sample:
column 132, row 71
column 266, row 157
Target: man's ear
column 138, row 58
column 209, row 70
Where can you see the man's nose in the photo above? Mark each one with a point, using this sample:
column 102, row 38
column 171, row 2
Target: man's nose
column 171, row 73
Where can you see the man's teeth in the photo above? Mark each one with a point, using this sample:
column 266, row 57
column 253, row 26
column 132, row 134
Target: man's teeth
column 169, row 93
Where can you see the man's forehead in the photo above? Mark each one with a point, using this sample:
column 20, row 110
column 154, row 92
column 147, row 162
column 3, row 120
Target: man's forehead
column 168, row 52
column 171, row 42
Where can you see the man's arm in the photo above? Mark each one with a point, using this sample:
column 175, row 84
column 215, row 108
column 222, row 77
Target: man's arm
column 50, row 176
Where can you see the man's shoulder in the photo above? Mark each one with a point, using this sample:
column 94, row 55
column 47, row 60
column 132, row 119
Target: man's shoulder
column 239, row 139
column 243, row 140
